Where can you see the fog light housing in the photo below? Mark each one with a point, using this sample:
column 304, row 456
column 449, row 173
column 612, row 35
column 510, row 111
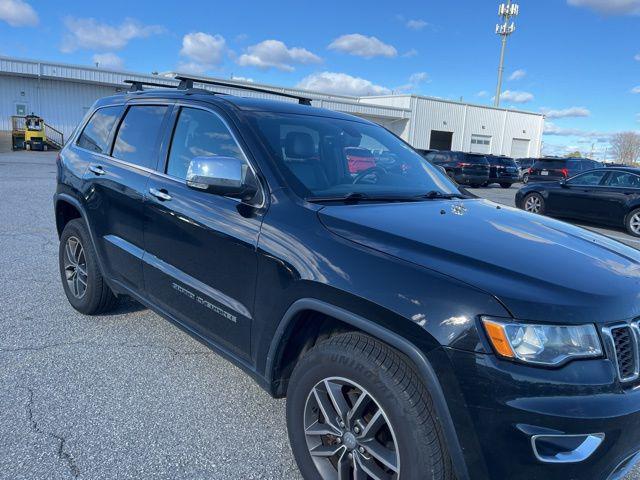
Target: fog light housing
column 565, row 448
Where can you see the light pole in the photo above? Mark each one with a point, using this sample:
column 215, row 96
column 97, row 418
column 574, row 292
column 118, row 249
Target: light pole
column 506, row 11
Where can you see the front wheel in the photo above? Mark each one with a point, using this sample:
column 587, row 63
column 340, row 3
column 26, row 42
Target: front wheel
column 632, row 222
column 356, row 409
column 533, row 203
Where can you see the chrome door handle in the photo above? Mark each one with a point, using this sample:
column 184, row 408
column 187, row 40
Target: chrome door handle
column 97, row 169
column 160, row 194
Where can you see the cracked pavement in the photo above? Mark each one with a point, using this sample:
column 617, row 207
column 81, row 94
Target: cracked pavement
column 120, row 396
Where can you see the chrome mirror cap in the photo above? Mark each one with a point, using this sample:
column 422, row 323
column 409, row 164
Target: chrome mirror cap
column 215, row 173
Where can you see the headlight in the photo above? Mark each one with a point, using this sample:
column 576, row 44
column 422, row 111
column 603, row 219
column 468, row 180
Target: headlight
column 542, row 344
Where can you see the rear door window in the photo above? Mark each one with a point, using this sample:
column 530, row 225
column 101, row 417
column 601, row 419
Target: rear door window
column 96, row 133
column 137, row 138
column 623, row 180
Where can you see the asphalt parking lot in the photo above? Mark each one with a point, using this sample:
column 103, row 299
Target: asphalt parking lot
column 122, row 396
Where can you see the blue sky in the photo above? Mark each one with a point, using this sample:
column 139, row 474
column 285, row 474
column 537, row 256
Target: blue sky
column 577, row 60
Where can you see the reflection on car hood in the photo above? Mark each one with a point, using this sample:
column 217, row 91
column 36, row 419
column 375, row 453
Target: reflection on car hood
column 541, row 269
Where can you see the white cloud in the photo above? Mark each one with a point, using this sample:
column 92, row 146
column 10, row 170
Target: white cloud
column 242, row 79
column 566, row 112
column 635, row 89
column 89, row 34
column 108, row 60
column 410, row 53
column 518, row 75
column 416, row 24
column 609, row 7
column 341, row 84
column 203, row 51
column 415, row 79
column 637, row 57
column 362, row 46
column 18, row 13
column 482, row 94
column 516, row 96
column 551, row 128
column 275, row 54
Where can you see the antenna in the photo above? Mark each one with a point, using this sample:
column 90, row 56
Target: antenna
column 507, row 11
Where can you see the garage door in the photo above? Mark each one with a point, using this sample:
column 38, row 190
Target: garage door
column 520, row 148
column 480, row 144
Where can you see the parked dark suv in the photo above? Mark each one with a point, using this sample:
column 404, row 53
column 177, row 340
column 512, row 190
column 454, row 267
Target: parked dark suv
column 465, row 168
column 411, row 336
column 553, row 169
column 503, row 170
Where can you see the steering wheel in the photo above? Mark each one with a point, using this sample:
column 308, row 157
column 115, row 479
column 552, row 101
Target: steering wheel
column 365, row 173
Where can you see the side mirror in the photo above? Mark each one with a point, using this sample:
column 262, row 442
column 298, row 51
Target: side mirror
column 221, row 176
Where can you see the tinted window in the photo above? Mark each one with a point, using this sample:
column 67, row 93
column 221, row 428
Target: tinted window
column 95, row 135
column 589, row 178
column 623, row 180
column 199, row 133
column 310, row 152
column 476, row 159
column 506, row 162
column 550, row 164
column 137, row 137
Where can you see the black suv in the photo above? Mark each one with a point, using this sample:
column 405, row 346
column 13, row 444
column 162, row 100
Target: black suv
column 412, row 338
column 552, row 169
column 503, row 170
column 465, row 168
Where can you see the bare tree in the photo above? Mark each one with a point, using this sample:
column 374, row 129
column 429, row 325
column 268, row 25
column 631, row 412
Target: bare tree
column 626, row 147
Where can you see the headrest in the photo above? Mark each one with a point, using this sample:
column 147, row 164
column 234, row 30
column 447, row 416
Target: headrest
column 299, row 145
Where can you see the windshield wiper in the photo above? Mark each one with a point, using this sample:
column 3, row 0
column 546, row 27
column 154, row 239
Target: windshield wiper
column 355, row 197
column 434, row 194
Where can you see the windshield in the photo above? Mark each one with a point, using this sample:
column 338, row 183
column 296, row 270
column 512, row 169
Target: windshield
column 330, row 158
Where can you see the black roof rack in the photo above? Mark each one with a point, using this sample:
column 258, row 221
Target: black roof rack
column 186, row 83
column 136, row 85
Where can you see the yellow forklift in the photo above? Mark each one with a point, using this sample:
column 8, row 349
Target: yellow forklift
column 32, row 133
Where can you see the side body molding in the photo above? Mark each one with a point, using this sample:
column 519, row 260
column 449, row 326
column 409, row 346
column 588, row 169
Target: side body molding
column 417, row 357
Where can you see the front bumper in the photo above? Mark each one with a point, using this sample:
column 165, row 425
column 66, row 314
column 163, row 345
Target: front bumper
column 510, row 403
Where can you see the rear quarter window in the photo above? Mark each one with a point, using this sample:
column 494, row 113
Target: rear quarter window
column 95, row 135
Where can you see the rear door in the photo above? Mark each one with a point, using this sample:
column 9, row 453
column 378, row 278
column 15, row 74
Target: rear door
column 116, row 180
column 200, row 261
column 620, row 188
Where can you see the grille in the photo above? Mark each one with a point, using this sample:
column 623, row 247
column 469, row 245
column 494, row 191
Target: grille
column 625, row 348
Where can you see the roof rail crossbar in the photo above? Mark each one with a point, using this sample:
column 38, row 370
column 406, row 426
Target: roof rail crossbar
column 137, row 85
column 187, row 83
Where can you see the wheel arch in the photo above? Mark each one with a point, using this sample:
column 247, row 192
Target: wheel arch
column 352, row 321
column 66, row 208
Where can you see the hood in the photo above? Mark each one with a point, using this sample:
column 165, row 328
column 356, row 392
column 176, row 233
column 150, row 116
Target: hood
column 541, row 269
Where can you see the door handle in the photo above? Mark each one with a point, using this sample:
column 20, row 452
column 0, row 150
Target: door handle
column 160, row 194
column 97, row 169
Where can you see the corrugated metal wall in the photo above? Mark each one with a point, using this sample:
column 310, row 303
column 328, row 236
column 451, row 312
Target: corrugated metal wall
column 61, row 104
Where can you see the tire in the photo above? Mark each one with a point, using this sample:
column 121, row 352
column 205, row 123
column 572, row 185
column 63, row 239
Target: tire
column 632, row 222
column 82, row 281
column 533, row 203
column 505, row 185
column 525, row 178
column 349, row 364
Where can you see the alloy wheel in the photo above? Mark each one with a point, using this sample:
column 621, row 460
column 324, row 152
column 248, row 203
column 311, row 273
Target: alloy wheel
column 634, row 223
column 75, row 267
column 348, row 434
column 533, row 204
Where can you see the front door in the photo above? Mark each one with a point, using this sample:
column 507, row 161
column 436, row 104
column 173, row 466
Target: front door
column 200, row 263
column 579, row 197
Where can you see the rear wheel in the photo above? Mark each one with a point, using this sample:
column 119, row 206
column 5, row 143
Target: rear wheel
column 82, row 280
column 356, row 409
column 525, row 178
column 505, row 185
column 533, row 203
column 632, row 222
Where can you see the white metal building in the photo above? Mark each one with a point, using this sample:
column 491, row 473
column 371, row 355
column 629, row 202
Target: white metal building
column 62, row 93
